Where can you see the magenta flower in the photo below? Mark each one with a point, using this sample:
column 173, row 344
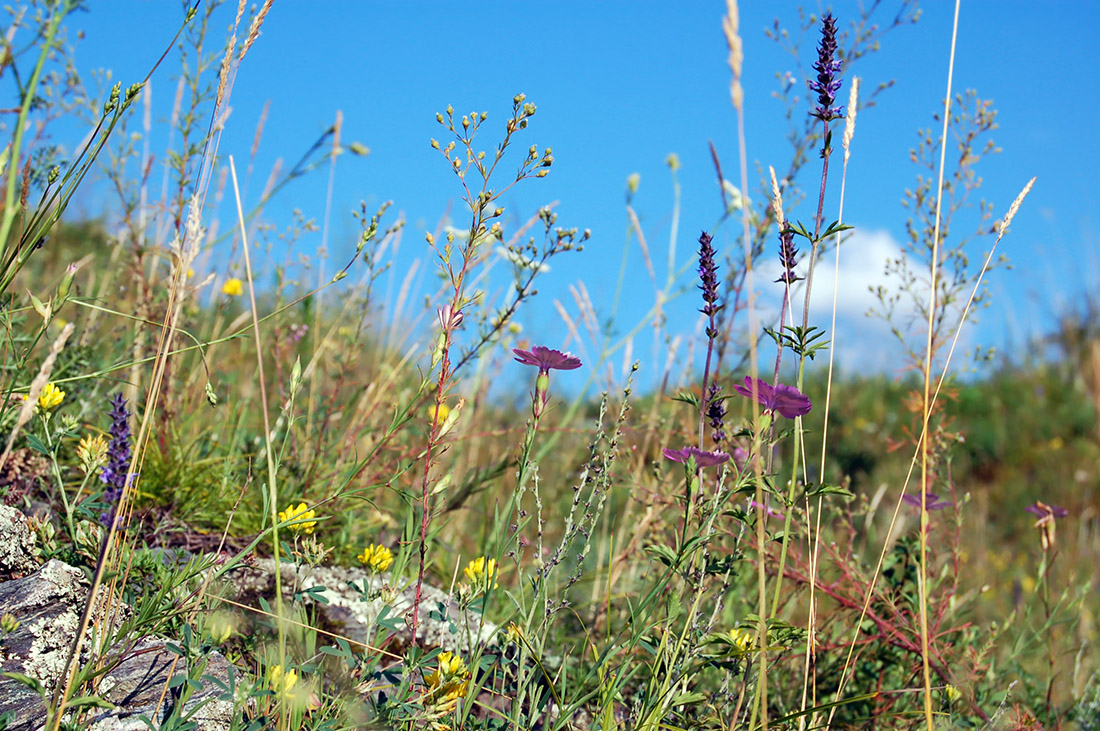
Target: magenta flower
column 702, row 457
column 547, row 359
column 768, row 512
column 931, row 501
column 787, row 400
column 1043, row 510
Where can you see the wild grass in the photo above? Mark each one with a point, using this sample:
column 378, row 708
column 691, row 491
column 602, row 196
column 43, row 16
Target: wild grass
column 743, row 547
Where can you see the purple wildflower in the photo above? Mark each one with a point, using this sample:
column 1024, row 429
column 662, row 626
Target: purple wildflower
column 768, row 512
column 1043, row 510
column 828, row 67
column 118, row 457
column 1046, row 522
column 716, row 412
column 702, row 457
column 931, row 501
column 788, row 256
column 545, row 359
column 708, row 276
column 787, row 400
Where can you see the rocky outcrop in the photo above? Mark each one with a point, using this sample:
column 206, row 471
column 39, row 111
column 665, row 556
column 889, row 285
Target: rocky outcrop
column 350, row 601
column 42, row 612
column 16, row 544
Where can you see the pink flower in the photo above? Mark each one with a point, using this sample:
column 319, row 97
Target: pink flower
column 702, row 457
column 787, row 400
column 547, row 359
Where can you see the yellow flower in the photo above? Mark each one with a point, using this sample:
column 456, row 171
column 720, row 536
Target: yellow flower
column 444, row 411
column 50, row 398
column 232, row 287
column 92, row 452
column 951, row 693
column 449, row 678
column 481, row 572
column 514, row 634
column 299, row 513
column 219, row 627
column 190, row 272
column 376, row 557
column 282, row 682
column 742, row 639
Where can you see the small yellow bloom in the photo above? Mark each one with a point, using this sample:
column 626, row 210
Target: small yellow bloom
column 282, row 682
column 190, row 272
column 299, row 513
column 92, row 452
column 514, row 634
column 8, row 623
column 219, row 627
column 951, row 693
column 233, row 287
column 50, row 397
column 444, row 411
column 449, row 678
column 481, row 572
column 376, row 557
column 742, row 639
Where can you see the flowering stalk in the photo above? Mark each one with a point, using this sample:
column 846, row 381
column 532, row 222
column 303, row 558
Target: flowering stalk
column 114, row 472
column 708, row 276
column 456, row 263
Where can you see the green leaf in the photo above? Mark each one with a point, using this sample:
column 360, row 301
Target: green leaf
column 33, row 683
column 828, row 490
column 90, row 700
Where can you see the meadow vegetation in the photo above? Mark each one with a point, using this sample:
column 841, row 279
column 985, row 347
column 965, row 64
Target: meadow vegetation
column 761, row 542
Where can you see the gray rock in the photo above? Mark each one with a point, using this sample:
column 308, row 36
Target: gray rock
column 354, row 614
column 48, row 605
column 16, row 544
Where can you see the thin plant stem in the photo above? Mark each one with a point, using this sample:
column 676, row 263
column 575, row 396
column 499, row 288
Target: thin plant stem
column 922, row 584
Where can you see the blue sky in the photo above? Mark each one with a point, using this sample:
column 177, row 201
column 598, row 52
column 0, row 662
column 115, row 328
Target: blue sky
column 621, row 85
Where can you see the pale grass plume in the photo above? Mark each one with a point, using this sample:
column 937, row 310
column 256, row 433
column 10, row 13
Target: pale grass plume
column 777, row 201
column 254, row 29
column 731, row 25
column 850, row 118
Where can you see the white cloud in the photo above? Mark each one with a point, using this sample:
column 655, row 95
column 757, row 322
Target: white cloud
column 863, row 257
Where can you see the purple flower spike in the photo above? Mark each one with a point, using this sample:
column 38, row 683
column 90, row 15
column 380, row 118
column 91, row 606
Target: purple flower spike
column 702, row 457
column 827, row 66
column 931, row 501
column 547, row 359
column 708, row 276
column 114, row 472
column 787, row 400
column 1043, row 510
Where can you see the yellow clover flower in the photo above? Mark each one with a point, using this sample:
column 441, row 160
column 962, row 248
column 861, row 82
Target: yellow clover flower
column 220, row 627
column 742, row 639
column 233, row 287
column 376, row 557
column 282, row 682
column 50, row 397
column 481, row 572
column 92, row 452
column 299, row 513
column 449, row 678
column 515, row 635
